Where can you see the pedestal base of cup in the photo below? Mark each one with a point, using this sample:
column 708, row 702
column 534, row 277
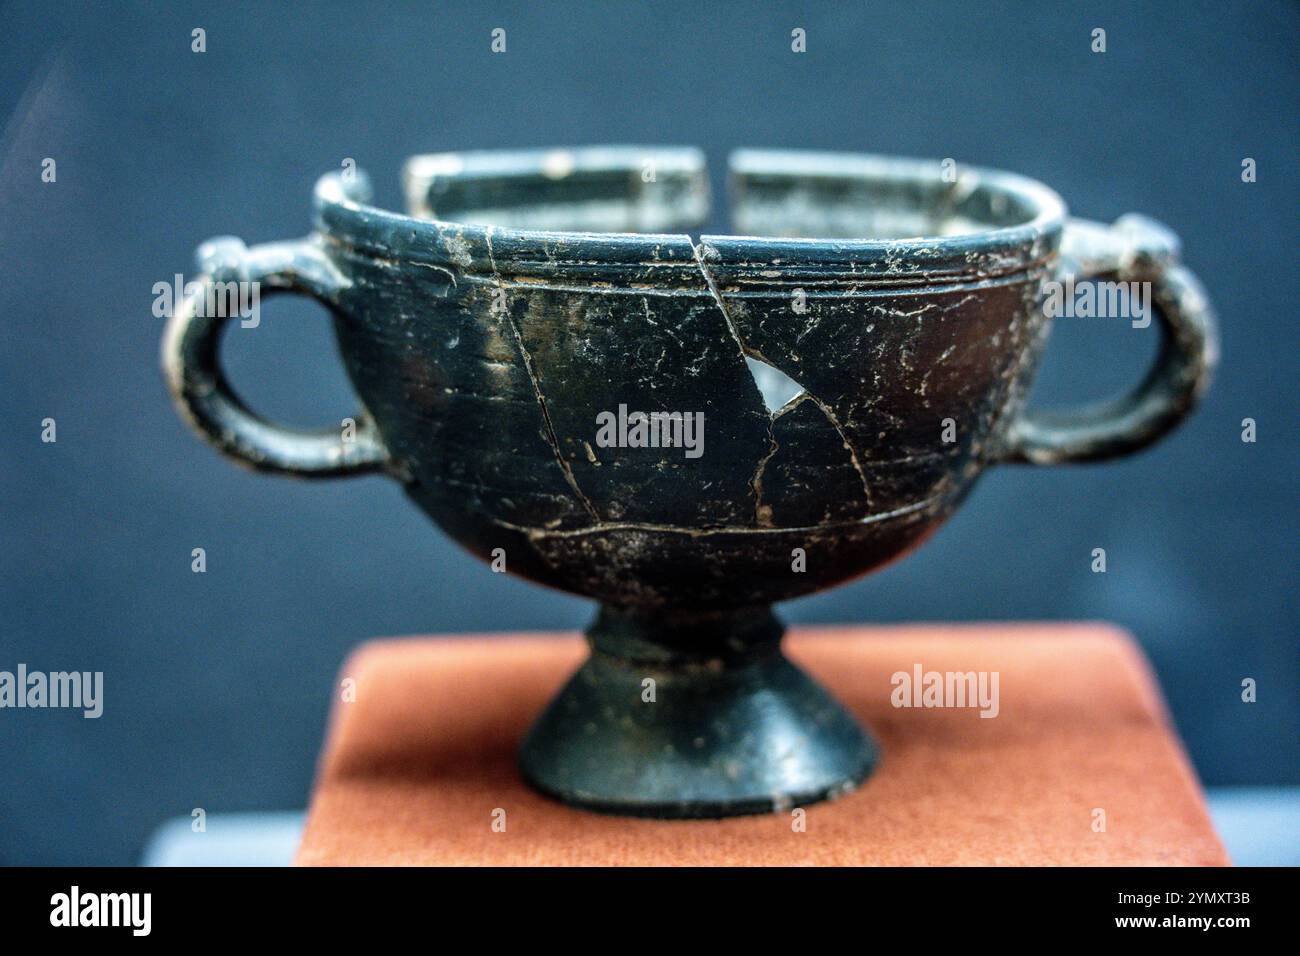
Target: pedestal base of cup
column 680, row 715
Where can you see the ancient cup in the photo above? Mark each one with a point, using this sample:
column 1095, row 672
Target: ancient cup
column 687, row 432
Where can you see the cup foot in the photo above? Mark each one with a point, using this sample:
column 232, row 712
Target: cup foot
column 693, row 716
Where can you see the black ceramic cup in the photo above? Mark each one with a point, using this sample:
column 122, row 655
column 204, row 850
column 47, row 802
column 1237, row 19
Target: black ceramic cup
column 688, row 431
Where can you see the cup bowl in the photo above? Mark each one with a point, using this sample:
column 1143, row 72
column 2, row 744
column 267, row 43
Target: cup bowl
column 488, row 354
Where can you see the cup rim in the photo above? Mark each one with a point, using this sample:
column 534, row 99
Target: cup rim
column 343, row 213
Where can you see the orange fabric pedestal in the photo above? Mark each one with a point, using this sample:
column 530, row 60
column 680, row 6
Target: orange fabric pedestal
column 416, row 766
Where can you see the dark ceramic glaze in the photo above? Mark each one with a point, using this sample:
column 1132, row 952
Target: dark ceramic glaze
column 529, row 292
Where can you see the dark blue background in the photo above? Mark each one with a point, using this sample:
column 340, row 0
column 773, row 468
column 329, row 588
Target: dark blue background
column 218, row 684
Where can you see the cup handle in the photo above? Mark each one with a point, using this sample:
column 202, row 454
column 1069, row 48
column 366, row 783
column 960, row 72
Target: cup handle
column 1134, row 249
column 190, row 359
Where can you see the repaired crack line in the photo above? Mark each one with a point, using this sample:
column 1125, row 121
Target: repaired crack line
column 746, row 350
column 756, row 482
column 764, row 519
column 848, row 445
column 549, row 427
column 930, row 503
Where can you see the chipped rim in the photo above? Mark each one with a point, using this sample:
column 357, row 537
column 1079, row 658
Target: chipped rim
column 344, row 215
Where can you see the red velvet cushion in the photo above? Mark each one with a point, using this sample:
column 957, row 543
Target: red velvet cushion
column 415, row 767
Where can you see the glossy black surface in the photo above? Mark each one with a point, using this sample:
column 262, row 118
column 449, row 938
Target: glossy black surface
column 484, row 351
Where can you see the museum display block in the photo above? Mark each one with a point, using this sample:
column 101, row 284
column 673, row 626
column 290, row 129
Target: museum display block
column 1000, row 744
